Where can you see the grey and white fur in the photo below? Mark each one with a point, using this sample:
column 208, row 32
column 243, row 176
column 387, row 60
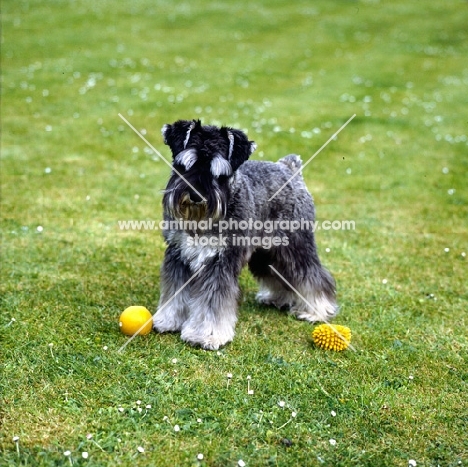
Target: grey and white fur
column 212, row 179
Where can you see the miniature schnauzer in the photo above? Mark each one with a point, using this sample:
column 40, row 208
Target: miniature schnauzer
column 212, row 183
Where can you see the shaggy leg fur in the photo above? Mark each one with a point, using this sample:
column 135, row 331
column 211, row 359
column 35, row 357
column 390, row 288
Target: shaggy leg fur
column 318, row 302
column 311, row 296
column 213, row 305
column 173, row 309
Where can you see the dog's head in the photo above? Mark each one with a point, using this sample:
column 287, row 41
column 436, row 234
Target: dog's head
column 205, row 157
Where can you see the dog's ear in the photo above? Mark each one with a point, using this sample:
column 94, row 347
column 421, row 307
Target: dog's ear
column 177, row 135
column 240, row 147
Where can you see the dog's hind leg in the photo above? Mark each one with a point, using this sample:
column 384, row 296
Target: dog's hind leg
column 292, row 277
column 314, row 285
column 272, row 290
column 315, row 300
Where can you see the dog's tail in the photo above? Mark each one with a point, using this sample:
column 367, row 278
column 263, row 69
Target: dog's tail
column 293, row 161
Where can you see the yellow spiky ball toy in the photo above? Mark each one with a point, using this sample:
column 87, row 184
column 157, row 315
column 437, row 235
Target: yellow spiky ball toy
column 331, row 337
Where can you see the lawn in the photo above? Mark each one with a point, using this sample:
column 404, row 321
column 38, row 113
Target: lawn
column 290, row 74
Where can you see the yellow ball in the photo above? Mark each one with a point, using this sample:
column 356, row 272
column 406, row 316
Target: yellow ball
column 331, row 336
column 136, row 320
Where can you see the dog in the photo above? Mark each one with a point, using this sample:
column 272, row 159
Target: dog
column 214, row 185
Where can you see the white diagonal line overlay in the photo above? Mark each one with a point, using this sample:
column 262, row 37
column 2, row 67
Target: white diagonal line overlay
column 175, row 295
column 304, row 165
column 161, row 156
column 307, row 303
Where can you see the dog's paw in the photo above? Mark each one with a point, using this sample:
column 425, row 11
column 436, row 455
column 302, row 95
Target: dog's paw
column 164, row 322
column 207, row 343
column 268, row 298
column 212, row 341
column 264, row 297
column 171, row 315
column 317, row 309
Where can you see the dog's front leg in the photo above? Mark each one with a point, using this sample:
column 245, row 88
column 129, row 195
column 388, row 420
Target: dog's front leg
column 173, row 307
column 213, row 303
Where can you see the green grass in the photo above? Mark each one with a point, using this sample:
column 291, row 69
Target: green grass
column 280, row 70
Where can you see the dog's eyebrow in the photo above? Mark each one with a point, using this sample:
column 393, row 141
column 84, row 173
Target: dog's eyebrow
column 220, row 166
column 231, row 144
column 187, row 136
column 187, row 158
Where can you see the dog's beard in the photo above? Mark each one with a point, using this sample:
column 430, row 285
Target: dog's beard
column 179, row 206
column 189, row 210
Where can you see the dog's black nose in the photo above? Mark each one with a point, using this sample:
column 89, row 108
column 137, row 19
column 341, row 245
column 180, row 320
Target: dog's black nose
column 194, row 196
